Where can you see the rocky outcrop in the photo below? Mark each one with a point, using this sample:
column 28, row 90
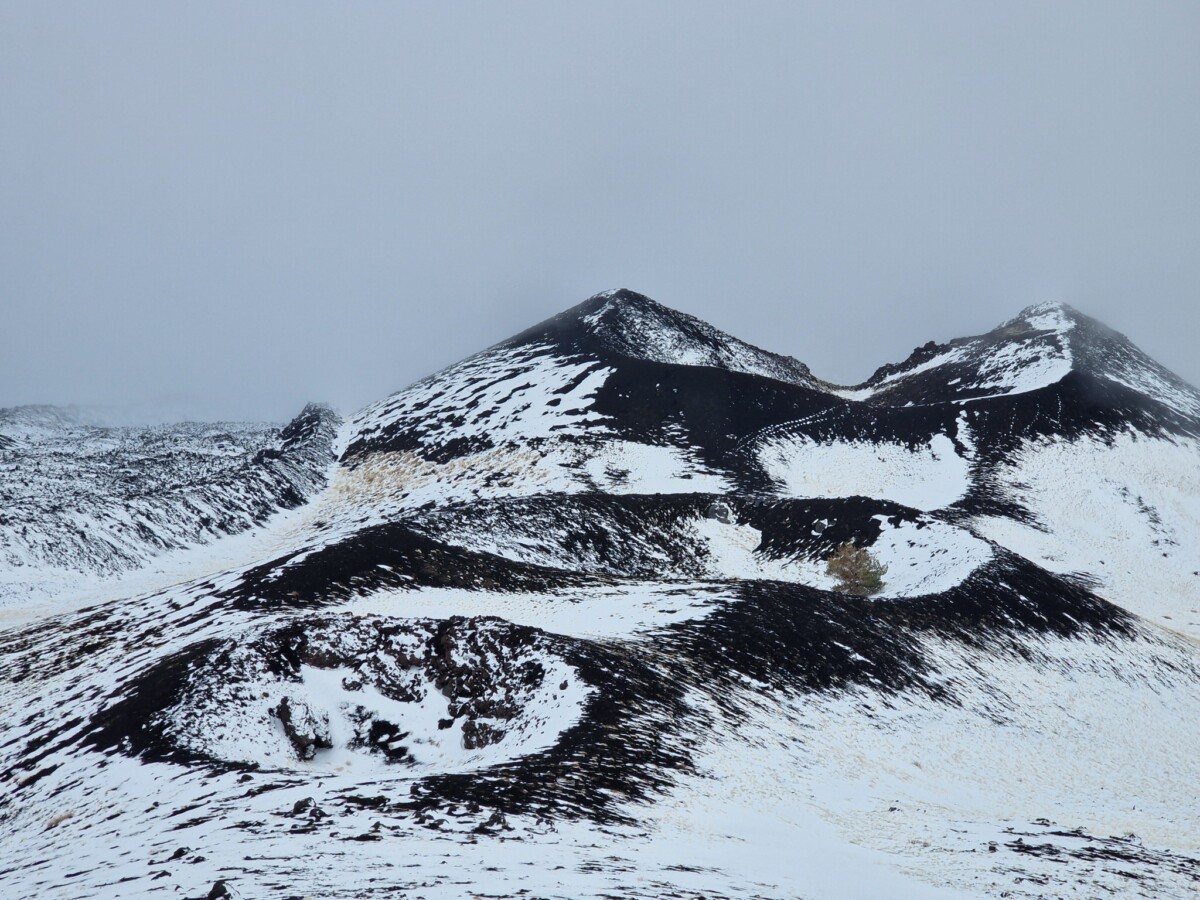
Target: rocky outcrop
column 307, row 730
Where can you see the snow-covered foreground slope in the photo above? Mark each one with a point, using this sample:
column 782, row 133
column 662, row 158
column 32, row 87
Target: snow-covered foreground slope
column 558, row 624
column 895, row 749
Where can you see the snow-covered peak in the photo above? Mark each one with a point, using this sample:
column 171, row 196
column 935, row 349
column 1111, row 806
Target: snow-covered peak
column 1026, row 353
column 1054, row 316
column 1091, row 347
column 1038, row 348
column 627, row 323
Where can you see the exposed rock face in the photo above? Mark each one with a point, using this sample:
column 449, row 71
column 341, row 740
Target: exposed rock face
column 308, row 731
column 396, row 690
column 719, row 511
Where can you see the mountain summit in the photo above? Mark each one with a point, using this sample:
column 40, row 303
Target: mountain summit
column 1040, row 347
column 575, row 600
column 626, row 323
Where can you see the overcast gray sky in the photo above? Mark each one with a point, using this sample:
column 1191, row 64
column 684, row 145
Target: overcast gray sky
column 230, row 208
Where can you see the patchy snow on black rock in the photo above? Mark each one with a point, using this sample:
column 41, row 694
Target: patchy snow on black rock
column 438, row 695
column 556, row 621
column 84, row 499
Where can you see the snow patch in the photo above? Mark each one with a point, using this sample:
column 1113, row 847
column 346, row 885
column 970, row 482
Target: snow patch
column 926, row 478
column 1019, row 368
column 626, row 467
column 603, row 612
column 925, row 557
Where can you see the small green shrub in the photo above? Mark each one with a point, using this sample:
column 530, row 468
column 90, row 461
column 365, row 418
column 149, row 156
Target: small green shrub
column 857, row 572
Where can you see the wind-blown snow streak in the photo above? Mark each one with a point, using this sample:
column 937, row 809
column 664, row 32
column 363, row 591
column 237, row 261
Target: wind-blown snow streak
column 1123, row 512
column 506, row 394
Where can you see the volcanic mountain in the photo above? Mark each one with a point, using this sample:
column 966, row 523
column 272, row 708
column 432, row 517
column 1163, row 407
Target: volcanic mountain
column 556, row 621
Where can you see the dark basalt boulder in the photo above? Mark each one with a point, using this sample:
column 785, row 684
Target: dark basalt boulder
column 307, row 730
column 720, row 511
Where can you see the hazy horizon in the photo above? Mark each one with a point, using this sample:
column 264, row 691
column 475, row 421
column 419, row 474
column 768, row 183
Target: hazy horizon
column 224, row 211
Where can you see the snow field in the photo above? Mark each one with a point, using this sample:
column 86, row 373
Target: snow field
column 1025, row 741
column 1123, row 514
column 851, row 795
column 925, row 478
column 600, row 613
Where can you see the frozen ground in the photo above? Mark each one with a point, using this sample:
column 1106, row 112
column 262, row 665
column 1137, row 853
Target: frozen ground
column 557, row 624
column 1024, row 785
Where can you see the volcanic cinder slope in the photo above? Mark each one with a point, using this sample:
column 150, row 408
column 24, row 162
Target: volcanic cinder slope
column 554, row 622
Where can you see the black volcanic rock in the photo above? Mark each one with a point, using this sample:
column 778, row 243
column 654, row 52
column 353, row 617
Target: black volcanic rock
column 307, row 730
column 1035, row 351
column 558, row 623
column 624, row 323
